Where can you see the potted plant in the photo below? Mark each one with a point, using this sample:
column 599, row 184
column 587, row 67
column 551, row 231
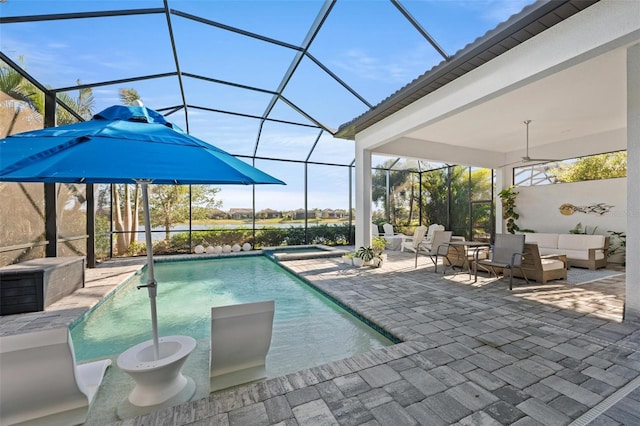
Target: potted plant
column 508, row 197
column 347, row 258
column 619, row 246
column 357, row 260
column 366, row 254
column 379, row 244
column 371, row 255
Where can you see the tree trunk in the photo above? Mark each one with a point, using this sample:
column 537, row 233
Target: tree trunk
column 127, row 214
column 136, row 211
column 167, row 220
column 167, row 229
column 121, row 243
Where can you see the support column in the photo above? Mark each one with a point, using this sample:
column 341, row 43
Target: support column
column 363, row 197
column 50, row 196
column 504, row 179
column 632, row 289
column 91, row 226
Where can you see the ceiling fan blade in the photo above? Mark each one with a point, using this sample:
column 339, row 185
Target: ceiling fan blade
column 526, row 159
column 511, row 164
column 542, row 160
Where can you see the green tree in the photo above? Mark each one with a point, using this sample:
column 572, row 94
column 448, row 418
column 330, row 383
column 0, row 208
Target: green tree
column 593, row 167
column 399, row 190
column 169, row 204
column 83, row 104
column 452, row 208
column 17, row 87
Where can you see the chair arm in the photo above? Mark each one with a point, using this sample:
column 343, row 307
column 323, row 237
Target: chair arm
column 513, row 258
column 478, row 250
column 446, row 246
column 592, row 252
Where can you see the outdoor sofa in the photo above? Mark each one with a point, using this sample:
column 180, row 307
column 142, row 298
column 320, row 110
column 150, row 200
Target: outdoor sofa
column 584, row 251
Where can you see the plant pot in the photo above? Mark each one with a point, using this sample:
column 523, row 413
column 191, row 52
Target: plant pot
column 347, row 260
column 357, row 261
column 617, row 258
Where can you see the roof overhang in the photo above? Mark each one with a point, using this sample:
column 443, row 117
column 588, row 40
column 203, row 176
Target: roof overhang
column 570, row 79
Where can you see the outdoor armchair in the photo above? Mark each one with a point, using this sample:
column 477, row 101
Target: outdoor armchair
column 413, row 242
column 428, row 239
column 439, row 247
column 542, row 268
column 507, row 254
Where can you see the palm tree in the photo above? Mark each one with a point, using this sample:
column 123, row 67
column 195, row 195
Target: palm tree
column 129, row 96
column 83, row 105
column 16, row 86
column 126, row 220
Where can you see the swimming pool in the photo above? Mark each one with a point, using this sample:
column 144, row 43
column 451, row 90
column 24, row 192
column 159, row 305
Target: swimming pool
column 302, row 252
column 309, row 329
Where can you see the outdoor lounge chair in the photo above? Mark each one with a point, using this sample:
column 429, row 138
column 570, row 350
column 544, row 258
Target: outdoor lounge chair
column 388, row 230
column 375, row 232
column 428, row 239
column 41, row 382
column 507, row 255
column 439, row 247
column 413, row 242
column 240, row 341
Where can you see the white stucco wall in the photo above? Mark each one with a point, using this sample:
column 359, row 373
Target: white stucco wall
column 538, row 206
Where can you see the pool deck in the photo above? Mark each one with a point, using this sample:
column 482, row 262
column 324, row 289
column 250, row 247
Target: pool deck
column 472, row 354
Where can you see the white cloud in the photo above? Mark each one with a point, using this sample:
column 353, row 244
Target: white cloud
column 401, row 67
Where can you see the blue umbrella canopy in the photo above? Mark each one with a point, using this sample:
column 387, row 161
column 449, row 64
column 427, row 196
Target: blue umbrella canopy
column 123, row 144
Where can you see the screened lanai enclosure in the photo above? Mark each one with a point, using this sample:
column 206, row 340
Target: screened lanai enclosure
column 267, row 81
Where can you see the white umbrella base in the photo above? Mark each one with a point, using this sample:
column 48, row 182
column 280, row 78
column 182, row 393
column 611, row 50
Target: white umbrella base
column 159, row 383
column 126, row 410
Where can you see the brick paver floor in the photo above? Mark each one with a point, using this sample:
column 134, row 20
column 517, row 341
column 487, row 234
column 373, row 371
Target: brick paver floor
column 471, row 354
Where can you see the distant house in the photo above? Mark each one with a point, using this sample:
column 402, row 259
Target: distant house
column 311, row 214
column 333, row 214
column 341, row 213
column 268, row 214
column 240, row 213
column 217, row 214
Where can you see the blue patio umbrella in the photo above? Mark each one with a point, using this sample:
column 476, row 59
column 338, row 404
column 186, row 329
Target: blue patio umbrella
column 123, row 144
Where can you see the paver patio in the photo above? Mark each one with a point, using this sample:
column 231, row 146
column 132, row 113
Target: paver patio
column 472, row 354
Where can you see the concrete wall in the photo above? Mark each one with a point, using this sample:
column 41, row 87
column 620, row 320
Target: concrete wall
column 538, row 206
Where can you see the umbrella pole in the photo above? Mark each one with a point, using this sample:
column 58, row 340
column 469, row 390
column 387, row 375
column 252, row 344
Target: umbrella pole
column 151, row 279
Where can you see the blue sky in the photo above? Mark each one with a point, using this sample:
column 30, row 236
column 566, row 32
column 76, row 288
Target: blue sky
column 366, row 43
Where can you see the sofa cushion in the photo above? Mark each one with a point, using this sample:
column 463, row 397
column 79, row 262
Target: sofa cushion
column 580, row 241
column 542, row 239
column 576, row 254
column 551, row 264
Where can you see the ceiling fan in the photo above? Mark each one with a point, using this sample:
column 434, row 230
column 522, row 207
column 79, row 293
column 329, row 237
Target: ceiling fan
column 526, row 158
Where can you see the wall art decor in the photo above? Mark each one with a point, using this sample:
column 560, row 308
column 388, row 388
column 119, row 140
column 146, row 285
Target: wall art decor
column 599, row 209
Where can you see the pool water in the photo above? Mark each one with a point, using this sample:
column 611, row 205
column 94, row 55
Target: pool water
column 309, row 329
